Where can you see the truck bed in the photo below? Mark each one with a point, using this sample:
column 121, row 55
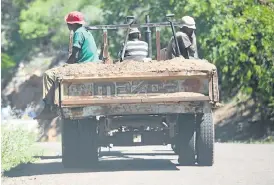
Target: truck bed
column 157, row 87
column 97, row 70
column 134, row 99
column 81, row 112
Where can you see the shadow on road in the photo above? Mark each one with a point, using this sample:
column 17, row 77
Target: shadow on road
column 103, row 166
column 111, row 162
column 119, row 154
column 48, row 157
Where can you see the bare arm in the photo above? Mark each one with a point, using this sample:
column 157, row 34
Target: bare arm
column 72, row 58
column 184, row 44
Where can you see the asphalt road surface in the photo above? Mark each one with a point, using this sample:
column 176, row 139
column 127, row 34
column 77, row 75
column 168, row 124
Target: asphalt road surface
column 244, row 164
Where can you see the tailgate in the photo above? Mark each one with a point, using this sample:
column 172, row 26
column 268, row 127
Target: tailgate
column 75, row 92
column 167, row 94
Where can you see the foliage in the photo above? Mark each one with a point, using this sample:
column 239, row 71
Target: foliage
column 16, row 145
column 115, row 12
column 45, row 19
column 32, row 26
column 12, row 42
column 266, row 140
column 7, row 64
column 237, row 36
column 6, row 61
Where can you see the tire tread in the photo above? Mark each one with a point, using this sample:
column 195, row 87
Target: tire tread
column 205, row 139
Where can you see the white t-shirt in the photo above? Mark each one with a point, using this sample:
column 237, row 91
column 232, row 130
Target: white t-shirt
column 183, row 40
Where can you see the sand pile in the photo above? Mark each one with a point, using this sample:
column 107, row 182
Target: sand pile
column 134, row 67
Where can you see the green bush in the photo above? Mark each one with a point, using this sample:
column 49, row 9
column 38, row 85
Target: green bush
column 17, row 147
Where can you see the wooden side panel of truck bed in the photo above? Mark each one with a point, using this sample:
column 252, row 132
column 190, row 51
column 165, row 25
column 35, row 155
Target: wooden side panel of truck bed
column 178, row 89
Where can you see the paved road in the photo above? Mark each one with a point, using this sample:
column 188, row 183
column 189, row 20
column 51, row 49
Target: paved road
column 153, row 165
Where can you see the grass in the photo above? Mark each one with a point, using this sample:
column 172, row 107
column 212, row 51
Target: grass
column 17, row 147
column 267, row 140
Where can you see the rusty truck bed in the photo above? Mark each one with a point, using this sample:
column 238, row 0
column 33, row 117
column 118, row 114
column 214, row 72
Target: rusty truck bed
column 93, row 98
column 184, row 89
column 135, row 109
column 77, row 101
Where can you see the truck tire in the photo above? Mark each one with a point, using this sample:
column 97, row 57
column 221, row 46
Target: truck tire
column 173, row 145
column 186, row 139
column 205, row 139
column 79, row 143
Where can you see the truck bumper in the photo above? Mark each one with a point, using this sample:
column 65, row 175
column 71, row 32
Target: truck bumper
column 135, row 109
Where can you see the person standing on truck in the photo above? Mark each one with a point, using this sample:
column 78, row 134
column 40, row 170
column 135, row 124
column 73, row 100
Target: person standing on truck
column 84, row 49
column 186, row 40
column 136, row 49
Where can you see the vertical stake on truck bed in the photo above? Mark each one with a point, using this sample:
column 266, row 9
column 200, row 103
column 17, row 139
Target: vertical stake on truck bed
column 60, row 97
column 158, row 43
column 105, row 57
column 178, row 53
column 70, row 42
column 148, row 38
column 126, row 38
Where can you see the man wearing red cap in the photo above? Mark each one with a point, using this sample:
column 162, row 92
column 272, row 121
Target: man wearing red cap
column 83, row 50
column 83, row 41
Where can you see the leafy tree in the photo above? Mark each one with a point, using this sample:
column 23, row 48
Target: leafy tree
column 14, row 48
column 32, row 26
column 45, row 19
column 237, row 36
column 12, row 43
column 7, row 64
column 115, row 12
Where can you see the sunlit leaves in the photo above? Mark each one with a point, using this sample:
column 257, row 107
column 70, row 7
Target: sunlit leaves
column 6, row 61
column 45, row 17
column 238, row 36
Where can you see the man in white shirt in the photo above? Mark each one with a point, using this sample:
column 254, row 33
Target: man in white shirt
column 136, row 49
column 186, row 40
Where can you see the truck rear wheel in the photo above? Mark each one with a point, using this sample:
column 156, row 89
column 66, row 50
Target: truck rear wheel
column 174, row 146
column 79, row 143
column 205, row 139
column 186, row 139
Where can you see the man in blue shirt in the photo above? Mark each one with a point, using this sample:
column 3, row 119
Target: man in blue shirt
column 83, row 50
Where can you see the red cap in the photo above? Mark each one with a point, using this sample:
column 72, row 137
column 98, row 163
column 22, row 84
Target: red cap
column 75, row 18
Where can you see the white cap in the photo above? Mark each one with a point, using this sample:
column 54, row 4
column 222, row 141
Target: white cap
column 134, row 30
column 188, row 22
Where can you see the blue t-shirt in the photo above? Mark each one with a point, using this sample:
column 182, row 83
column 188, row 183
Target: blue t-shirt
column 84, row 40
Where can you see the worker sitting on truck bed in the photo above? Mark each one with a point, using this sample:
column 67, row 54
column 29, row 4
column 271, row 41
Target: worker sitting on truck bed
column 135, row 48
column 84, row 49
column 186, row 40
